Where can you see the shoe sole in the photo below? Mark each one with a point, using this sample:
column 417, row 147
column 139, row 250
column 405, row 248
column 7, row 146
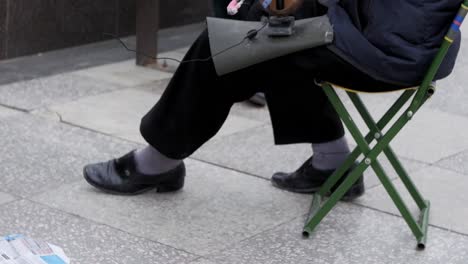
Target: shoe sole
column 353, row 193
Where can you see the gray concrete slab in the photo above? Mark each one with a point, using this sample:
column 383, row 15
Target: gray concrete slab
column 168, row 61
column 4, row 112
column 429, row 137
column 451, row 94
column 183, row 50
column 458, row 163
column 125, row 73
column 73, row 58
column 46, row 113
column 252, row 151
column 9, row 75
column 156, row 87
column 202, row 261
column 39, row 155
column 445, row 189
column 82, row 240
column 5, row 198
column 29, row 95
column 463, row 27
column 69, row 59
column 216, row 209
column 119, row 113
column 236, row 124
column 248, row 110
column 350, row 234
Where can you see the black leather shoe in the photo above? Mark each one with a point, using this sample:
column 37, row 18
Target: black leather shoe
column 119, row 176
column 308, row 179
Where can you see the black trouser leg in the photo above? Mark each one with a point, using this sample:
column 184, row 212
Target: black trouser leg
column 197, row 101
column 194, row 106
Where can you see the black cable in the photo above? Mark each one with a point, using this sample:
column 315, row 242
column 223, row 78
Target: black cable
column 249, row 35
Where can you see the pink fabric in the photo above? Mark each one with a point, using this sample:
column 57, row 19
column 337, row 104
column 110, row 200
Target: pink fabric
column 234, row 6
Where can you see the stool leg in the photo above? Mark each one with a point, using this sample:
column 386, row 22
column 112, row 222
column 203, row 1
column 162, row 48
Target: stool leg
column 317, row 215
column 318, row 211
column 375, row 129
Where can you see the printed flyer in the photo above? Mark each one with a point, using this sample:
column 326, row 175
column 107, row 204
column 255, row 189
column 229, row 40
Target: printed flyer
column 19, row 249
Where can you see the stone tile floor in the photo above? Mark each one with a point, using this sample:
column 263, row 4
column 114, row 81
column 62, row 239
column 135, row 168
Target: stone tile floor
column 52, row 125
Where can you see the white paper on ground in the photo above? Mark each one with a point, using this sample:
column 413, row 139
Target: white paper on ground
column 18, row 249
column 7, row 252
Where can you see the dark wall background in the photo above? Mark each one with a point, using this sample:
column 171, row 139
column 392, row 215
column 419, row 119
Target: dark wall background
column 32, row 26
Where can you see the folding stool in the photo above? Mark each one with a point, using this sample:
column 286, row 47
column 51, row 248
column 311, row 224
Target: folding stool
column 321, row 205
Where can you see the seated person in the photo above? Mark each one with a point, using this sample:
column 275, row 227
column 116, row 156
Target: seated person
column 379, row 45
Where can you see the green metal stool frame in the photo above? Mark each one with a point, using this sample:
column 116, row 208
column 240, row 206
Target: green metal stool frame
column 321, row 206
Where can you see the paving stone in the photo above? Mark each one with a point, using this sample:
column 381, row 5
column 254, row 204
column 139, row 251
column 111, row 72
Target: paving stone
column 169, row 64
column 119, row 113
column 236, row 124
column 125, row 73
column 38, row 155
column 5, row 198
column 463, row 27
column 29, row 95
column 202, row 261
column 451, row 92
column 82, row 240
column 46, row 113
column 445, row 189
column 157, row 87
column 251, row 111
column 10, row 75
column 350, row 234
column 458, row 163
column 216, row 208
column 70, row 59
column 183, row 50
column 4, row 112
column 252, row 151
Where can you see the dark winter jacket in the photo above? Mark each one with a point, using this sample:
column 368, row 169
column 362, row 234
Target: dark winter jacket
column 393, row 40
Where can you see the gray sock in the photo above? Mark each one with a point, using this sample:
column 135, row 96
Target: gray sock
column 330, row 155
column 150, row 161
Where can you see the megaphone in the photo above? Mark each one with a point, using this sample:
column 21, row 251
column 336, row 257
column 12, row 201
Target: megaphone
column 224, row 33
